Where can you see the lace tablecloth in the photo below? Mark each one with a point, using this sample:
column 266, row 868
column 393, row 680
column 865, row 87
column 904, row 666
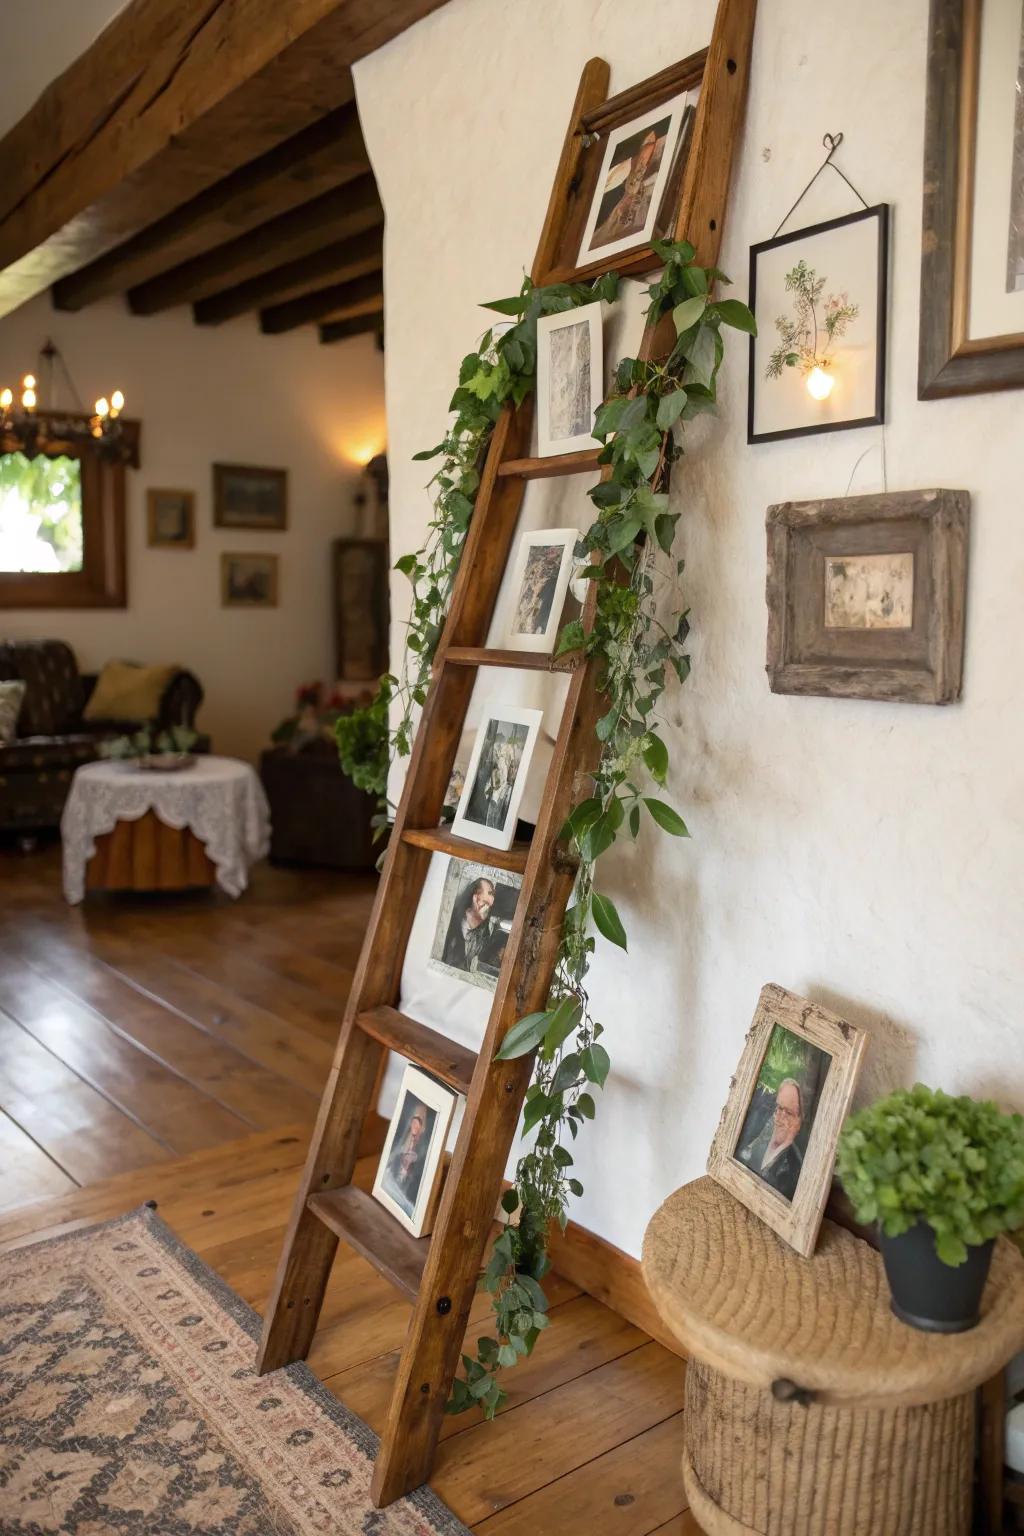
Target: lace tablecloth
column 220, row 799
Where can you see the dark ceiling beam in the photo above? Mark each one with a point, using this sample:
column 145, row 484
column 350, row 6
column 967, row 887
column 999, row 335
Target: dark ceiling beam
column 341, row 330
column 320, row 158
column 341, row 262
column 348, row 210
column 339, row 301
column 172, row 97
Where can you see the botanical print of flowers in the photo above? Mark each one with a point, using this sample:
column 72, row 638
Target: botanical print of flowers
column 805, row 340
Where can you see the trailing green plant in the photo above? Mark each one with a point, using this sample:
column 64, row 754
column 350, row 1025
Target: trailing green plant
column 922, row 1156
column 638, row 638
column 148, row 740
column 502, row 369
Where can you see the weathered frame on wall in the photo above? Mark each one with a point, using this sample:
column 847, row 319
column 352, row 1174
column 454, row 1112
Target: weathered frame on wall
column 949, row 362
column 796, row 1221
column 919, row 664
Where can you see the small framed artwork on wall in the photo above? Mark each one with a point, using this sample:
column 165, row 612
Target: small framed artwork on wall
column 248, row 496
column 776, row 1141
column 819, row 296
column 474, row 920
column 170, row 519
column 496, row 776
column 570, row 379
column 248, row 581
column 866, row 596
column 408, row 1181
column 540, row 579
column 640, row 160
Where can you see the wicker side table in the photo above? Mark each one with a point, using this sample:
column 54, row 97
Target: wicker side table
column 810, row 1410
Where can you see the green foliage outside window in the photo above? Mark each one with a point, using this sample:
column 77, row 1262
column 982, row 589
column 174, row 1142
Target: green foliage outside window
column 40, row 513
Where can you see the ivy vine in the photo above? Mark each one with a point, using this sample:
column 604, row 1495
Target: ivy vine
column 639, row 637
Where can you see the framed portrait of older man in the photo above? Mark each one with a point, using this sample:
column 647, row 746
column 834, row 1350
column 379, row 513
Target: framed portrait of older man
column 408, row 1181
column 775, row 1144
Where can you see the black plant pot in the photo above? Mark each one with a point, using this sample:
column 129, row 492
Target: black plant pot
column 927, row 1294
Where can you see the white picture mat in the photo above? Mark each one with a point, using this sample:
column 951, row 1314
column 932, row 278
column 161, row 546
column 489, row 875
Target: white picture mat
column 848, row 259
column 433, row 1095
column 673, row 109
column 544, row 640
column 992, row 311
column 547, row 326
column 503, row 836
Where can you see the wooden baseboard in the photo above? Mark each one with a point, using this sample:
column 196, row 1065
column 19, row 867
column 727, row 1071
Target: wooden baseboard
column 611, row 1276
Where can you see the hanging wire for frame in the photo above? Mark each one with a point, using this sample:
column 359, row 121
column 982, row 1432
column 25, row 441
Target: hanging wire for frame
column 831, row 141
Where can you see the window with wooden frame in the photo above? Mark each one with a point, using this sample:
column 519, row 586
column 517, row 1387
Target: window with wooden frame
column 62, row 519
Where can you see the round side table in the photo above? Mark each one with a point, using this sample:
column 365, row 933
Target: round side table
column 810, row 1410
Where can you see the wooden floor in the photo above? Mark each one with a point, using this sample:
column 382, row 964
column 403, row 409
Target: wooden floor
column 173, row 1049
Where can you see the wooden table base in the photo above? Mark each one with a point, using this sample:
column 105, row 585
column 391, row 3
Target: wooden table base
column 148, row 855
column 756, row 1467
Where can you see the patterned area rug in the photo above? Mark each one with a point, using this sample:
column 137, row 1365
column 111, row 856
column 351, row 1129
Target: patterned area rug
column 129, row 1403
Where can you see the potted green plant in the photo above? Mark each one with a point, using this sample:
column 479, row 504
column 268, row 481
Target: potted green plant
column 942, row 1177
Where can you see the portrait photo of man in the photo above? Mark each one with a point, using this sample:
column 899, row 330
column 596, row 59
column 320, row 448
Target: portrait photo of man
column 780, row 1117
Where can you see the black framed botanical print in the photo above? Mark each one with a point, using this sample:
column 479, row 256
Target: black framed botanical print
column 819, row 296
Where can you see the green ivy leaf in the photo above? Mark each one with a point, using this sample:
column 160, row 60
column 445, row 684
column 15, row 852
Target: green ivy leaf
column 656, row 758
column 670, row 408
column 668, row 819
column 564, row 1020
column 688, row 313
column 524, row 1036
column 733, row 313
column 596, row 1064
column 572, row 638
column 607, row 919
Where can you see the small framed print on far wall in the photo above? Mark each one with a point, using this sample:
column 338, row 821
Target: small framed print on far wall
column 776, row 1141
column 866, row 596
column 817, row 362
column 170, row 519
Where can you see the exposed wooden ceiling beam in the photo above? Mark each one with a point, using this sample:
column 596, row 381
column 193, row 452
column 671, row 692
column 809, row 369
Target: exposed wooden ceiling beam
column 348, row 210
column 320, row 158
column 339, row 301
column 341, row 262
column 173, row 96
column 340, row 330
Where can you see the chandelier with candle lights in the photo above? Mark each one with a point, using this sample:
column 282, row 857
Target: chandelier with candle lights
column 32, row 423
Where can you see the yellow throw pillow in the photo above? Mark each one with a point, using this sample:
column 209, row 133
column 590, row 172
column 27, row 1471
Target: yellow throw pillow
column 126, row 692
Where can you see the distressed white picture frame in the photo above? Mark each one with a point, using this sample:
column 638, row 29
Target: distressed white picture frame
column 470, row 827
column 433, row 1095
column 551, row 440
column 541, row 641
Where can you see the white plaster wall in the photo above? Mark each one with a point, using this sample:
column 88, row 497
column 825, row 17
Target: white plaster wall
column 232, row 395
column 868, row 855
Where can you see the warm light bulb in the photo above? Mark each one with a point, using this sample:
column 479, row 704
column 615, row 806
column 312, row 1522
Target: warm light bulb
column 819, row 383
column 6, row 399
column 102, row 406
column 29, row 381
column 116, row 402
column 28, row 399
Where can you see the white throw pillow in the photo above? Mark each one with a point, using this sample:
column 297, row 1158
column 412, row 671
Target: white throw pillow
column 11, row 695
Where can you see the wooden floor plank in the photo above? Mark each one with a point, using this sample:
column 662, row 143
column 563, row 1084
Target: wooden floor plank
column 167, row 1105
column 489, row 1466
column 27, row 1172
column 633, row 1489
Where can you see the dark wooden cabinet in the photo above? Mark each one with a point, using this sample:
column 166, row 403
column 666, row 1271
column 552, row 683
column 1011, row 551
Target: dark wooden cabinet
column 317, row 815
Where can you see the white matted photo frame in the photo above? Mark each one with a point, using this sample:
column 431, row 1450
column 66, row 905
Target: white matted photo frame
column 638, row 159
column 820, row 299
column 776, row 1141
column 570, row 379
column 408, row 1181
column 496, row 776
column 541, row 572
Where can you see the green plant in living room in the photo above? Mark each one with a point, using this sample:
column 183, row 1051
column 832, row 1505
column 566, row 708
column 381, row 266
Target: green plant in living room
column 176, row 741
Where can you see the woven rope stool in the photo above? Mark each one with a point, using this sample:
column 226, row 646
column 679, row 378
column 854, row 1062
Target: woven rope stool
column 810, row 1410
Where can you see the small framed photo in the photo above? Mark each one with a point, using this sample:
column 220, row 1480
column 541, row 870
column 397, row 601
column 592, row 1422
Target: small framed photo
column 408, row 1182
column 248, row 581
column 638, row 159
column 247, row 496
column 170, row 519
column 776, row 1141
column 496, row 776
column 570, row 379
column 474, row 920
column 540, row 579
column 817, row 363
column 867, row 596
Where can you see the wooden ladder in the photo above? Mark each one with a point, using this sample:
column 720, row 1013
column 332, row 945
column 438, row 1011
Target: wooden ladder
column 439, row 1273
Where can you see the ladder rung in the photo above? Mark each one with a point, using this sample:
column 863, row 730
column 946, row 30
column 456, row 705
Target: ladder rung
column 448, row 1060
column 581, row 463
column 366, row 1226
column 525, row 661
column 440, row 840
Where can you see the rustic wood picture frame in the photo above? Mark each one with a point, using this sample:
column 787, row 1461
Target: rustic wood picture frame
column 949, row 362
column 796, row 1221
column 188, row 500
column 918, row 664
column 229, row 601
column 224, row 516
